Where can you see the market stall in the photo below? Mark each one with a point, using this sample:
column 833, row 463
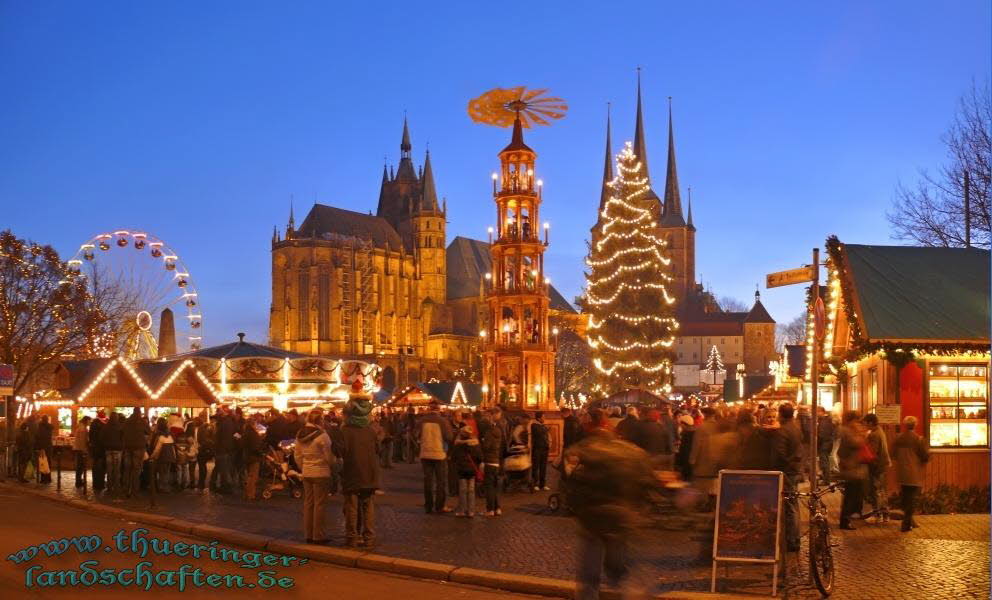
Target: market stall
column 907, row 333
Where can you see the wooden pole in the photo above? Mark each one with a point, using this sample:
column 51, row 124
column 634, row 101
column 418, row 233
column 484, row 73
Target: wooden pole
column 814, row 376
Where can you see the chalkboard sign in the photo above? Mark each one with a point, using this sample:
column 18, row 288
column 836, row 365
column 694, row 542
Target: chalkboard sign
column 748, row 516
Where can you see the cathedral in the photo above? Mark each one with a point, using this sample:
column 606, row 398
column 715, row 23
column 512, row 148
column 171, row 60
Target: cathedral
column 744, row 338
column 386, row 287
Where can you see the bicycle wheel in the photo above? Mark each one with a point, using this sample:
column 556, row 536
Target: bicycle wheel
column 821, row 560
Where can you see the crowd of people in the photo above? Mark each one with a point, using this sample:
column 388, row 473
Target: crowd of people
column 612, row 458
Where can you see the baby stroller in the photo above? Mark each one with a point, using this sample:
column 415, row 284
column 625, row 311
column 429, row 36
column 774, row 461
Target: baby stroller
column 556, row 500
column 285, row 475
column 517, row 469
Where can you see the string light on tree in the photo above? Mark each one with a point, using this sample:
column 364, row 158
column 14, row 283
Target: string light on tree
column 631, row 313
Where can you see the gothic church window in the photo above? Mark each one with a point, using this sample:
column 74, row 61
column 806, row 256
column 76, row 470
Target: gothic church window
column 304, row 305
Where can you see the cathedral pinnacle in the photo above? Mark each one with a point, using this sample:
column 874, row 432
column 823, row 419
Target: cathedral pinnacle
column 607, row 165
column 672, row 214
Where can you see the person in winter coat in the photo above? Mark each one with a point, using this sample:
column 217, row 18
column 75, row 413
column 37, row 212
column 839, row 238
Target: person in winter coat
column 852, row 470
column 224, row 448
column 25, row 450
column 755, row 450
column 825, row 432
column 163, row 455
column 875, row 491
column 653, row 437
column 687, row 435
column 360, row 472
column 112, row 440
column 702, row 457
column 203, row 437
column 135, row 448
column 789, row 459
column 607, row 491
column 43, row 445
column 571, row 429
column 492, row 453
column 627, row 427
column 434, row 434
column 465, row 460
column 98, row 454
column 253, row 448
column 540, row 448
column 80, row 445
column 910, row 454
column 314, row 457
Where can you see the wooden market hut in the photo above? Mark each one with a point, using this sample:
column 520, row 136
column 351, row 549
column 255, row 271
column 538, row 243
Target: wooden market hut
column 445, row 393
column 113, row 383
column 907, row 333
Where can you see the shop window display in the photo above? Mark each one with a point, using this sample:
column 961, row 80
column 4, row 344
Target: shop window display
column 958, row 405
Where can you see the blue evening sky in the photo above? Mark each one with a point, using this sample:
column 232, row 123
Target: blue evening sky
column 196, row 121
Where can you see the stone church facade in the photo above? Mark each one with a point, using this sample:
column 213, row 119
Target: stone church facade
column 385, row 287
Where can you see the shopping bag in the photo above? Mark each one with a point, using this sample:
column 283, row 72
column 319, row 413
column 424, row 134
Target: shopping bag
column 29, row 471
column 43, row 467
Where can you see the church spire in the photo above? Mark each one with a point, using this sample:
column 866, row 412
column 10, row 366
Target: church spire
column 672, row 214
column 405, row 146
column 406, row 171
column 428, row 200
column 607, row 165
column 689, row 217
column 385, row 173
column 640, row 144
column 291, row 225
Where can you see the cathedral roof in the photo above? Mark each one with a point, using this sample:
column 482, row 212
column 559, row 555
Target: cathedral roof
column 469, row 260
column 324, row 221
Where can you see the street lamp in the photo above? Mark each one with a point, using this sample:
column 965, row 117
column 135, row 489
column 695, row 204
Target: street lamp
column 554, row 332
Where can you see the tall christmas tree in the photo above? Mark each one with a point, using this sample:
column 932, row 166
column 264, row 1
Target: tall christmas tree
column 631, row 315
column 714, row 364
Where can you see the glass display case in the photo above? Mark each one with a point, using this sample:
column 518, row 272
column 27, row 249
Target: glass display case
column 958, row 405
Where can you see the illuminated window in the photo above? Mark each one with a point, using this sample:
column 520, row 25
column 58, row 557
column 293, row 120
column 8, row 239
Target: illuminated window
column 958, row 405
column 871, row 397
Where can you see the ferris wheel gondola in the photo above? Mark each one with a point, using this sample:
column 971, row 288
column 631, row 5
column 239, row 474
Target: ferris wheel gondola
column 147, row 292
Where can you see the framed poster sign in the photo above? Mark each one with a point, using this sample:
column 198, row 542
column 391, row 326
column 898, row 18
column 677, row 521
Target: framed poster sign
column 748, row 519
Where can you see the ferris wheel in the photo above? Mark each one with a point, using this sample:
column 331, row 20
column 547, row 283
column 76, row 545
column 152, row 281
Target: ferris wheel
column 139, row 281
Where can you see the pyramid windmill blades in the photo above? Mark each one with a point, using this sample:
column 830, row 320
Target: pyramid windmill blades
column 537, row 118
column 532, row 94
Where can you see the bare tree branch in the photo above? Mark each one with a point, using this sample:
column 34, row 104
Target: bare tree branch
column 932, row 213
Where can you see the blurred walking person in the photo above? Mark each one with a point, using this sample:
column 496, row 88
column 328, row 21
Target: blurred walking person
column 789, row 459
column 112, row 438
column 853, row 467
column 876, row 493
column 607, row 491
column 434, row 434
column 910, row 454
column 135, row 450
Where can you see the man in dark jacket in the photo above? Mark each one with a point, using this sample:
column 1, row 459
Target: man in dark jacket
column 492, row 454
column 25, row 450
column 789, row 460
column 540, row 446
column 910, row 453
column 97, row 452
column 628, row 427
column 825, row 433
column 654, row 438
column 224, row 449
column 136, row 432
column 360, row 472
column 607, row 491
column 112, row 440
column 204, row 436
column 571, row 429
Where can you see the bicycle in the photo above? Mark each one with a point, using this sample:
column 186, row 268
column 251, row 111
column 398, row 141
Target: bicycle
column 821, row 562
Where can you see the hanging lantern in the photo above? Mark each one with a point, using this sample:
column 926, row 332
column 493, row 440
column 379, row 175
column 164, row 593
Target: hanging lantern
column 156, row 252
column 122, row 241
column 182, row 282
column 139, row 244
column 170, row 266
column 104, row 245
column 190, row 302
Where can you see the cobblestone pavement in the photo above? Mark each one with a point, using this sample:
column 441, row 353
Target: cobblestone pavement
column 947, row 557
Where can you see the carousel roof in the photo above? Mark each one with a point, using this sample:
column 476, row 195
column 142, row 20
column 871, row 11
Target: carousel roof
column 241, row 349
